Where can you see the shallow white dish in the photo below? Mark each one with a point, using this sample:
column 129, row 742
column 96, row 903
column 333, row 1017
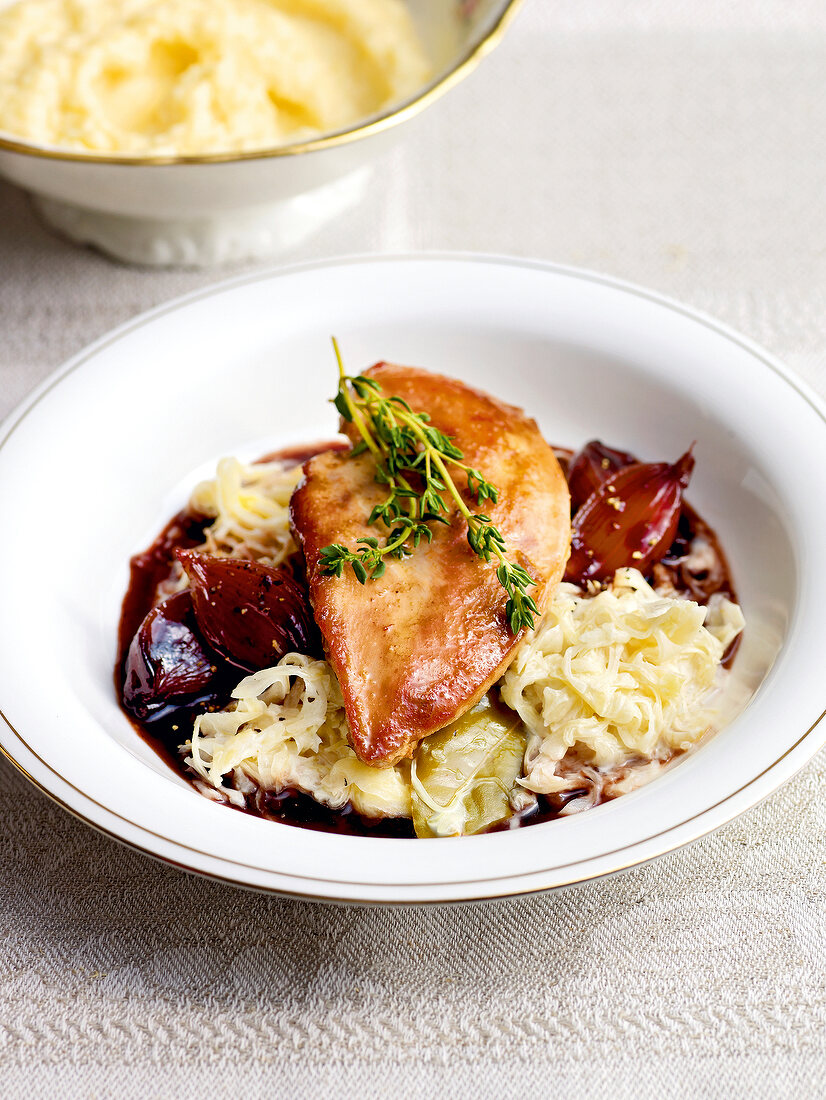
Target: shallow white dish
column 100, row 456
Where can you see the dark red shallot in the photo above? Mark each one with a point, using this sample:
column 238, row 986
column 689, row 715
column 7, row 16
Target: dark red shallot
column 167, row 661
column 591, row 466
column 629, row 520
column 250, row 613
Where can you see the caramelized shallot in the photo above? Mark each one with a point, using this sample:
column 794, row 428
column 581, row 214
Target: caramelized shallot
column 590, row 467
column 166, row 661
column 631, row 519
column 250, row 613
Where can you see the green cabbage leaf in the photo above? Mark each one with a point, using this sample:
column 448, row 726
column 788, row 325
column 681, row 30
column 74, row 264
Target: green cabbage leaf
column 464, row 776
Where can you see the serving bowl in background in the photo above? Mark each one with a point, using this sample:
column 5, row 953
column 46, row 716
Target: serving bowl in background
column 222, row 207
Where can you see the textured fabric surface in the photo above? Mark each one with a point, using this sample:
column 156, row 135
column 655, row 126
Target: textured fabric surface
column 676, row 143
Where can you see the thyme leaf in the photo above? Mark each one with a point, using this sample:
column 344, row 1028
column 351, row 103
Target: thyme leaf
column 414, row 460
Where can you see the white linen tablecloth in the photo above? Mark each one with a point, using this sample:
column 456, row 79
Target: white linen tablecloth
column 677, row 143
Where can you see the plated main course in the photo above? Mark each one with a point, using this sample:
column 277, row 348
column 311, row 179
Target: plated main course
column 438, row 624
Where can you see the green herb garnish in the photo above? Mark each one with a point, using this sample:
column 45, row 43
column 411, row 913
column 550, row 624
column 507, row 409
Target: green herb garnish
column 412, row 459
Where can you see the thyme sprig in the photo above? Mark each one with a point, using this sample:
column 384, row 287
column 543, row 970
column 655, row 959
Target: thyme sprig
column 414, row 460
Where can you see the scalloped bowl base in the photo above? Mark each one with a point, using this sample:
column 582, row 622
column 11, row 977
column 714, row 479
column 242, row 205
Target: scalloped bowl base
column 259, row 232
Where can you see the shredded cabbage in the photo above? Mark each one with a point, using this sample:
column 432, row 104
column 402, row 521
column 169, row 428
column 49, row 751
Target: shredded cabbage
column 607, row 685
column 615, row 677
column 724, row 620
column 287, row 728
column 251, row 506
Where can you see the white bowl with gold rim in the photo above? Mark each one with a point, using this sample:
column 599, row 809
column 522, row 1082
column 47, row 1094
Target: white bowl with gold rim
column 223, row 207
column 244, row 368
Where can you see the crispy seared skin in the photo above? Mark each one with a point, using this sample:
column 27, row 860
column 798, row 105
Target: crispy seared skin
column 416, row 648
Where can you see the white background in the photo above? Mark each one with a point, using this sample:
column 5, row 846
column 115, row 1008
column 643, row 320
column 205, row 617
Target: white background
column 678, row 144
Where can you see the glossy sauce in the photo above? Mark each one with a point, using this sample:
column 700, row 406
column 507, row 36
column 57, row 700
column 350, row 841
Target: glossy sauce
column 167, row 731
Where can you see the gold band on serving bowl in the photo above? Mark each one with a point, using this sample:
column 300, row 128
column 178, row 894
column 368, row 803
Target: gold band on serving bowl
column 376, row 125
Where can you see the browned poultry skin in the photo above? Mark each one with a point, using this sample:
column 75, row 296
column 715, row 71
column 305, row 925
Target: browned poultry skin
column 416, row 648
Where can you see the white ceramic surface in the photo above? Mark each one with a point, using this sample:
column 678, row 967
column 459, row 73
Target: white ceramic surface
column 207, row 210
column 105, row 451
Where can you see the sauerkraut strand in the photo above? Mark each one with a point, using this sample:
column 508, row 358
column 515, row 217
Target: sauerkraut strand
column 614, row 678
column 251, row 506
column 286, row 728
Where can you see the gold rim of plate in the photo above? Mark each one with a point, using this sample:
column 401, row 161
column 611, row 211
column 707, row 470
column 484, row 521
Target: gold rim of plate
column 406, row 110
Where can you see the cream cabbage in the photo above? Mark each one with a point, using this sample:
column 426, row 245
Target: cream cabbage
column 286, row 727
column 614, row 678
column 608, row 687
column 605, row 689
column 250, row 508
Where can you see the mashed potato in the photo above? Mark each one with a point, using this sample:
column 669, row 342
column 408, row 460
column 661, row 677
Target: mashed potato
column 177, row 77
